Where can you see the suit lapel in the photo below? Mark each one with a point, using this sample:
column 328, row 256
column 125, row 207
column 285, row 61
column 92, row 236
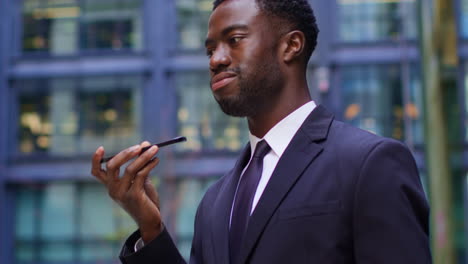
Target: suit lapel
column 301, row 151
column 222, row 209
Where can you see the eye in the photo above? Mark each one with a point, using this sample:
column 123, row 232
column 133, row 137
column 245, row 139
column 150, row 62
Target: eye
column 209, row 53
column 235, row 39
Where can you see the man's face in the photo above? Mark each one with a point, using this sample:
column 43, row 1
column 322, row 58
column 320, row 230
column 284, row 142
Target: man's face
column 243, row 63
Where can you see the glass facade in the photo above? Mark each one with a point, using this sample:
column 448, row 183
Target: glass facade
column 464, row 18
column 179, row 201
column 68, row 222
column 192, row 17
column 59, row 214
column 64, row 116
column 370, row 21
column 374, row 98
column 69, row 26
column 200, row 119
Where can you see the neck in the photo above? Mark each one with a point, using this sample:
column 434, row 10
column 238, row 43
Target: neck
column 291, row 98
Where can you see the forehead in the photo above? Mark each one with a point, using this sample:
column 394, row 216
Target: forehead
column 232, row 12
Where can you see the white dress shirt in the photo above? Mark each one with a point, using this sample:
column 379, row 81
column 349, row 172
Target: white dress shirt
column 278, row 138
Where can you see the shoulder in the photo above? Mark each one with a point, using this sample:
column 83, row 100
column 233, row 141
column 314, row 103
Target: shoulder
column 352, row 150
column 348, row 139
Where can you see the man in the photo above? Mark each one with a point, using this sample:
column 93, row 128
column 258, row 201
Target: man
column 320, row 191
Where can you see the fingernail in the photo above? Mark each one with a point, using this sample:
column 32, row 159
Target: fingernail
column 99, row 150
column 154, row 148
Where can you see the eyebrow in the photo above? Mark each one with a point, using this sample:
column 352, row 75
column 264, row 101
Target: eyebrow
column 226, row 31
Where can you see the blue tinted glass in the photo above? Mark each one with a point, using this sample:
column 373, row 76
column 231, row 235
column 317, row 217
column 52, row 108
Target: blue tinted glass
column 56, row 251
column 375, row 99
column 179, row 201
column 192, row 23
column 201, row 120
column 93, row 252
column 97, row 219
column 367, row 21
column 464, row 18
column 26, row 214
column 372, row 99
column 24, row 252
column 65, row 27
column 58, row 212
column 65, row 116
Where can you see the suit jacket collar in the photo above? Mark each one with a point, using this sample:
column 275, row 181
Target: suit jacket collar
column 301, row 151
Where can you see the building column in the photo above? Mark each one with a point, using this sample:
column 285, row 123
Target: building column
column 438, row 39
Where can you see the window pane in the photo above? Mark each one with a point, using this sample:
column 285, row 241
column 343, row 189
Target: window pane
column 202, row 121
column 96, row 219
column 361, row 20
column 192, row 18
column 35, row 126
column 58, row 27
column 464, row 18
column 93, row 252
column 466, row 100
column 414, row 108
column 24, row 252
column 67, row 116
column 56, row 252
column 50, row 26
column 372, row 98
column 180, row 199
column 58, row 212
column 111, row 24
column 26, row 214
column 59, row 222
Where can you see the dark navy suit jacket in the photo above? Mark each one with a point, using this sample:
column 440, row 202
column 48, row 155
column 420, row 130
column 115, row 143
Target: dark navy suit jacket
column 338, row 195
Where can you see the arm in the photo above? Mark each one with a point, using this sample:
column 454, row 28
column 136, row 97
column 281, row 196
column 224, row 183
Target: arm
column 391, row 214
column 162, row 248
column 138, row 197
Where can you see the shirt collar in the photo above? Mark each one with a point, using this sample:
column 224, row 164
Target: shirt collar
column 281, row 134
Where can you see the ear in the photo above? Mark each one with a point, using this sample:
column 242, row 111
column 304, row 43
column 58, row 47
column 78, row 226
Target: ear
column 293, row 45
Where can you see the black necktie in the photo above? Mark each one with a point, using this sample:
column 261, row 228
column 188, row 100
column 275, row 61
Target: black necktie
column 244, row 198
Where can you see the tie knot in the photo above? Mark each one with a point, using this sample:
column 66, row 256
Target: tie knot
column 261, row 149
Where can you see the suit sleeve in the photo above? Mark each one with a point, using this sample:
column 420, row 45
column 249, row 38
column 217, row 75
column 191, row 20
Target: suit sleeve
column 391, row 213
column 162, row 249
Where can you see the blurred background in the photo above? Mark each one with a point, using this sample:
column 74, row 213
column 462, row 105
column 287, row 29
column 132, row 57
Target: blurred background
column 78, row 74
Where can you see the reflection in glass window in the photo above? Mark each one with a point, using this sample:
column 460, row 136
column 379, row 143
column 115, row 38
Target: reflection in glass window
column 64, row 27
column 368, row 20
column 111, row 24
column 35, row 126
column 179, row 200
column 464, row 18
column 68, row 223
column 414, row 108
column 192, row 18
column 374, row 99
column 68, row 116
column 202, row 121
column 50, row 26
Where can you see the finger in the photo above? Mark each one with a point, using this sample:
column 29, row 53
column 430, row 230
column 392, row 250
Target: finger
column 113, row 166
column 136, row 166
column 142, row 175
column 96, row 169
column 150, row 190
column 145, row 144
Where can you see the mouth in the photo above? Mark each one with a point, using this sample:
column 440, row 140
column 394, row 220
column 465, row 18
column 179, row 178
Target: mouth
column 221, row 80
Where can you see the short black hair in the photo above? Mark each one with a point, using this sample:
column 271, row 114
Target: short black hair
column 298, row 13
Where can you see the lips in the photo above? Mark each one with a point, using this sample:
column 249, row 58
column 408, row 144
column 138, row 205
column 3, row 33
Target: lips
column 221, row 80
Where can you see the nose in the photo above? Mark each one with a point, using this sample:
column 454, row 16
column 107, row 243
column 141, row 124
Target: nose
column 220, row 58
